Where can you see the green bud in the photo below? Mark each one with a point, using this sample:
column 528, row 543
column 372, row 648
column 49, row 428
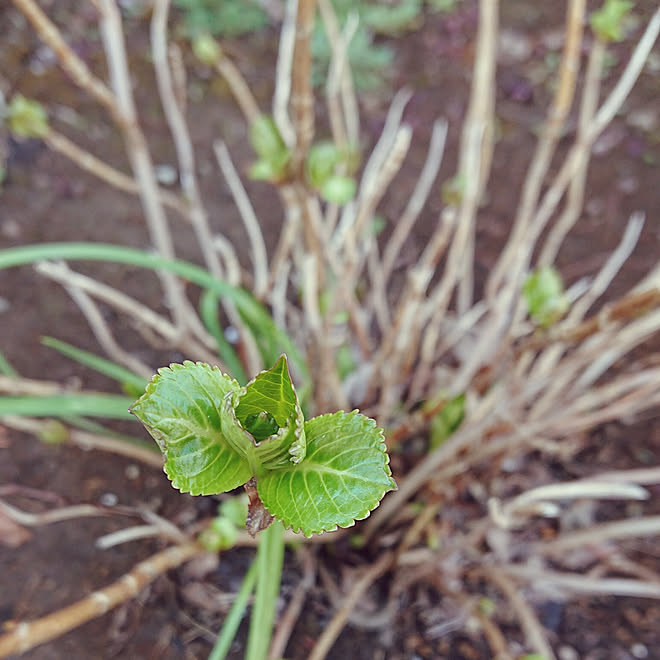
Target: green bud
column 543, row 291
column 266, row 139
column 339, row 189
column 234, row 509
column 486, row 606
column 377, row 225
column 220, row 535
column 322, row 160
column 27, row 118
column 356, row 541
column 53, row 433
column 608, row 22
column 206, row 49
column 261, row 425
column 452, row 190
column 447, row 420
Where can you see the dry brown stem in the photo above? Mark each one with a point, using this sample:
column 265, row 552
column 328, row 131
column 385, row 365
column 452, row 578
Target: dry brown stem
column 117, row 179
column 302, row 98
column 140, row 159
column 70, row 62
column 475, row 151
column 88, row 441
column 239, row 88
column 536, row 637
column 581, row 584
column 568, row 70
column 54, row 515
column 332, row 630
column 184, row 149
column 25, row 635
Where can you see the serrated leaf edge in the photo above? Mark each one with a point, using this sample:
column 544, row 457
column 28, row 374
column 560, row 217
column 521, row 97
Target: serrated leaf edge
column 365, row 513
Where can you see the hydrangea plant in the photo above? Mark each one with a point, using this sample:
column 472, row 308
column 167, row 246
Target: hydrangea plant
column 313, row 475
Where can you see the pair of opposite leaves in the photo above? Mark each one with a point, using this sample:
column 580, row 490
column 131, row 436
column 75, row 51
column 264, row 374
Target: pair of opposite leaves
column 313, row 475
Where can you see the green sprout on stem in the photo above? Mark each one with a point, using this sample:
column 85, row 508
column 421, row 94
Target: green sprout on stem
column 446, row 421
column 206, row 49
column 543, row 292
column 608, row 22
column 27, row 118
column 273, row 155
column 328, row 169
column 312, row 475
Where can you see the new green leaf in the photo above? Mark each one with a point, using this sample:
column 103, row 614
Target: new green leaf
column 543, row 291
column 268, row 409
column 343, row 477
column 184, row 409
column 312, row 475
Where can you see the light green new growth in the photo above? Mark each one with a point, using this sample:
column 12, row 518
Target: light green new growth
column 543, row 292
column 608, row 22
column 312, row 475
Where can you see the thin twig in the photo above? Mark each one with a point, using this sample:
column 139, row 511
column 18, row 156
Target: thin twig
column 70, row 62
column 239, row 88
column 531, row 626
column 143, row 316
column 568, row 69
column 418, row 198
column 100, row 169
column 516, row 512
column 25, row 635
column 302, row 98
column 140, row 158
column 282, row 93
column 181, row 136
column 88, row 441
column 597, row 534
column 17, row 386
column 575, row 200
column 104, row 335
column 334, row 628
column 54, row 515
column 133, row 534
column 476, row 148
column 249, row 217
column 338, row 64
column 581, row 584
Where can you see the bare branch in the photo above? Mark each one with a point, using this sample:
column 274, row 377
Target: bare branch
column 181, row 136
column 27, row 634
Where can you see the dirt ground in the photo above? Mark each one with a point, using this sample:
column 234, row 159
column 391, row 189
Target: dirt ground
column 45, row 198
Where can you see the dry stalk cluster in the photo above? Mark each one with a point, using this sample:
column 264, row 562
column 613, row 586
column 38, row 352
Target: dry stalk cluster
column 525, row 392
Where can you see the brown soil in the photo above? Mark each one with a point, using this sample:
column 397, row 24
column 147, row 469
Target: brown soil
column 47, row 199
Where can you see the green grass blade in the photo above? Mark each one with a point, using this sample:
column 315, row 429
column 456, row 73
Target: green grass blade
column 270, row 557
column 67, row 405
column 208, row 309
column 5, row 367
column 103, row 366
column 251, row 309
column 235, row 615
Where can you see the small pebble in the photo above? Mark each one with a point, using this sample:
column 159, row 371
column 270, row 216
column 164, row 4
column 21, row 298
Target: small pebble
column 10, row 229
column 639, row 651
column 567, row 653
column 108, row 499
column 231, row 334
column 132, row 471
column 166, row 174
